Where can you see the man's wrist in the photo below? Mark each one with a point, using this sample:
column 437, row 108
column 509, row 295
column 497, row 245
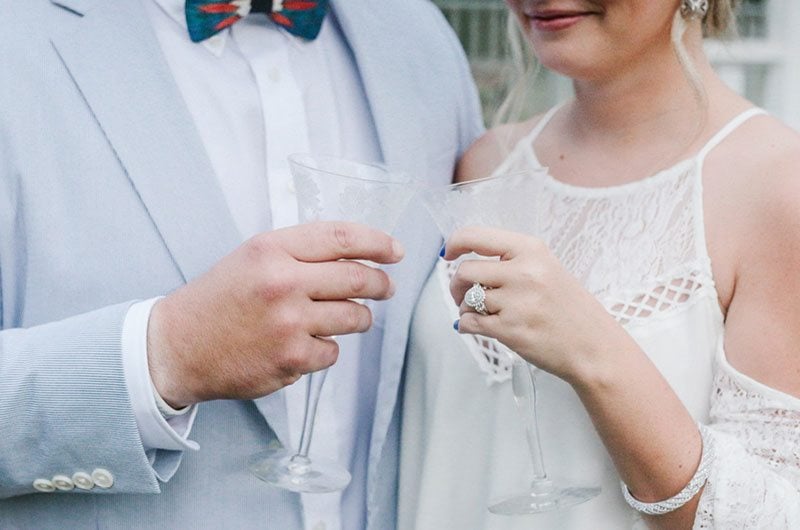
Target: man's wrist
column 156, row 429
column 165, row 409
column 162, row 372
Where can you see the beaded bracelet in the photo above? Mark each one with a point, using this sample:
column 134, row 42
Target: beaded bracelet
column 688, row 492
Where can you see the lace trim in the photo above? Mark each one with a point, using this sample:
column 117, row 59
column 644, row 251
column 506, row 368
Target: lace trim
column 493, row 359
column 662, row 299
column 639, row 247
column 756, row 481
column 768, row 427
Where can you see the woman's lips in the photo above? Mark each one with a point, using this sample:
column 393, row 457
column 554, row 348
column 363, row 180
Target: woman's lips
column 556, row 22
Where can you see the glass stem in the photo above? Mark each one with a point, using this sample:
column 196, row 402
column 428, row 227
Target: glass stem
column 315, row 380
column 524, row 388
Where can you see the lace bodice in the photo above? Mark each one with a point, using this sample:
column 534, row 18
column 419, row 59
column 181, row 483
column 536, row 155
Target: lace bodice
column 640, row 249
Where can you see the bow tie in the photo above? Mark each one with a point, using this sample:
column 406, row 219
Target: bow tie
column 303, row 18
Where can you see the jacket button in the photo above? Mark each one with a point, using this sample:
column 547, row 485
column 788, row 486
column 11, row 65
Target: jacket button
column 83, row 480
column 43, row 485
column 102, row 478
column 62, row 482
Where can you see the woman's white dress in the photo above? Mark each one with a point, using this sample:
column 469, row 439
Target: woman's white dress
column 641, row 249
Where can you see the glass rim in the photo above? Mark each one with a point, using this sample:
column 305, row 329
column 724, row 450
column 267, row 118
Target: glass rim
column 303, row 160
column 500, row 176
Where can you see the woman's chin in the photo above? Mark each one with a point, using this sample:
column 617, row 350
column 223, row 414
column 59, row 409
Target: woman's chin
column 569, row 68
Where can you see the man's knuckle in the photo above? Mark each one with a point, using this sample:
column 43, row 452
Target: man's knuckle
column 358, row 278
column 260, row 247
column 329, row 353
column 294, row 362
column 276, row 283
column 342, row 236
column 288, row 323
column 289, row 378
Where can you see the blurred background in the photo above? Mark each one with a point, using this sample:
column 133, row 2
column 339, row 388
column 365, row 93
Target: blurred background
column 762, row 63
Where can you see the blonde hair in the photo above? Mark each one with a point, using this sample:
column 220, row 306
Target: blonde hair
column 719, row 22
column 525, row 68
column 720, row 19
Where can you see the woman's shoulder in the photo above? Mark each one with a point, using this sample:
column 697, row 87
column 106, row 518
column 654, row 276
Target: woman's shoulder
column 490, row 150
column 753, row 199
column 761, row 162
column 757, row 166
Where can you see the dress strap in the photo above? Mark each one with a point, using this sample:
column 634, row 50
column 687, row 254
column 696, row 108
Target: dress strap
column 727, row 130
column 524, row 146
column 701, row 246
column 531, row 136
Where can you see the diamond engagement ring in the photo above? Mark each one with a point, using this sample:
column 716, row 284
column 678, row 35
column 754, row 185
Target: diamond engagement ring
column 475, row 298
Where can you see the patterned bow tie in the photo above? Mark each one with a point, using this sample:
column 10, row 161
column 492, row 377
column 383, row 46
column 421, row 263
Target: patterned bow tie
column 299, row 17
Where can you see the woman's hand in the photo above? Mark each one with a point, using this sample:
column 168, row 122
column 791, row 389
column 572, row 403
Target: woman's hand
column 536, row 307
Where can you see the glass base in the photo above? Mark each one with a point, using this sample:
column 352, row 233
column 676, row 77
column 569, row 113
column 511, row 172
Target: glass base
column 292, row 472
column 544, row 496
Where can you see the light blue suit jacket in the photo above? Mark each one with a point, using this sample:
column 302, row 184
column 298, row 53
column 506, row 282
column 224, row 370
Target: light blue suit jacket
column 107, row 196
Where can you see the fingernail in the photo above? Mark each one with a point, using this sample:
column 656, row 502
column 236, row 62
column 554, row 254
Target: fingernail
column 455, row 325
column 392, row 288
column 443, row 251
column 397, row 248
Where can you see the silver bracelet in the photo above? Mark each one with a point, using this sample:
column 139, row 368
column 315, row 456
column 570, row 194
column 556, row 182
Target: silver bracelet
column 688, row 492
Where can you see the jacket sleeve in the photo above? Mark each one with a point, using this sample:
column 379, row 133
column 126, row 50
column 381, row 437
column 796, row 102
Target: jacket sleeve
column 64, row 406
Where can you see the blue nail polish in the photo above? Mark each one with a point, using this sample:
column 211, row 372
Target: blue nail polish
column 442, row 252
column 455, row 325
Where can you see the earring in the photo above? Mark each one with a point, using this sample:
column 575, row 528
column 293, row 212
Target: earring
column 694, row 8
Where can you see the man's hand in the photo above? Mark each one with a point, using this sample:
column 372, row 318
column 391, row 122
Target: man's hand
column 258, row 320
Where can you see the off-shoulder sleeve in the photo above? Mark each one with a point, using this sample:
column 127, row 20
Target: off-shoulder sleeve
column 755, row 479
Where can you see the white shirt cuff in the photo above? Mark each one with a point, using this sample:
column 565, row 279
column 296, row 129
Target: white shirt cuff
column 155, row 431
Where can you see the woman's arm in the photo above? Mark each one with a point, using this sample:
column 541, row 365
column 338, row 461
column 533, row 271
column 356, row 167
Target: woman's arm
column 653, row 440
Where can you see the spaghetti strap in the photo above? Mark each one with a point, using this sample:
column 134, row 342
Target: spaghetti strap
column 727, row 130
column 531, row 136
column 524, row 145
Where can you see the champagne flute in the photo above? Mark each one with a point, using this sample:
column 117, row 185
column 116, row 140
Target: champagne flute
column 331, row 189
column 508, row 201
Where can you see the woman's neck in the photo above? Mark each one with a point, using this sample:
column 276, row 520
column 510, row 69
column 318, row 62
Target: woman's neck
column 651, row 96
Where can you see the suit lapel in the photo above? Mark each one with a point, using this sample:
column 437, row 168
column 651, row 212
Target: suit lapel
column 374, row 42
column 387, row 77
column 114, row 57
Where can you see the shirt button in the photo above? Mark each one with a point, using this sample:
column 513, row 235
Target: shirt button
column 102, row 478
column 290, row 187
column 43, row 485
column 320, row 526
column 83, row 480
column 62, row 482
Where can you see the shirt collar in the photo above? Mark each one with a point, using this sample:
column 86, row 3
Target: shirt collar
column 176, row 9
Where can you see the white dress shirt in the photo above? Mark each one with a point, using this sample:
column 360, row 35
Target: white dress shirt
column 258, row 94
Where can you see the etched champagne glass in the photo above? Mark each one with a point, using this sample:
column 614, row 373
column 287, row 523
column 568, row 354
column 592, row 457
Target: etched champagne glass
column 507, row 201
column 331, row 189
